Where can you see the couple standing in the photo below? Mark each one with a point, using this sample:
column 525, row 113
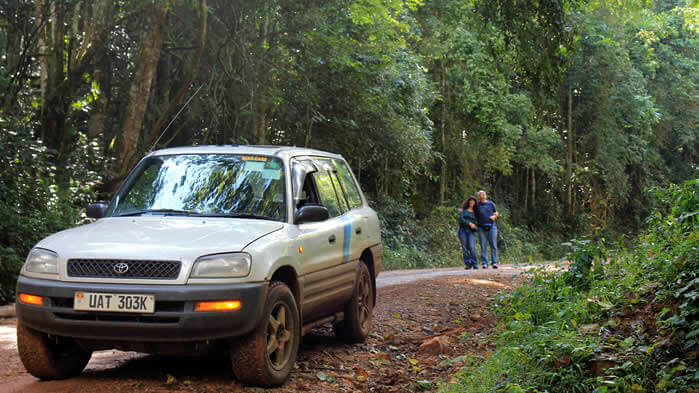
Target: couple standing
column 478, row 217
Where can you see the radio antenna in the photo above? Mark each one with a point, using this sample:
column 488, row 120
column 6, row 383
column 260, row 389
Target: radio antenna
column 174, row 118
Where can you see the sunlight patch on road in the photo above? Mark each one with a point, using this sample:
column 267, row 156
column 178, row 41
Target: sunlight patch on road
column 8, row 337
column 486, row 283
column 103, row 360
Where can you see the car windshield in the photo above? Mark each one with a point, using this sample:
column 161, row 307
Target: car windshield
column 220, row 185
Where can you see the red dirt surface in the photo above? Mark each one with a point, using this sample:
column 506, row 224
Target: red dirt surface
column 456, row 310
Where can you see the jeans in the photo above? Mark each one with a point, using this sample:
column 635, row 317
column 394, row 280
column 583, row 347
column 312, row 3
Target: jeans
column 468, row 246
column 491, row 237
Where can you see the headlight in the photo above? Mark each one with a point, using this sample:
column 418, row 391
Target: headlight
column 222, row 265
column 41, row 261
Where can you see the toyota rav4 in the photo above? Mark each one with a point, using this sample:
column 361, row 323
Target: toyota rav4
column 242, row 248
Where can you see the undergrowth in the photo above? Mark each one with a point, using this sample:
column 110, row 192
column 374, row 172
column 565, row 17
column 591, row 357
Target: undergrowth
column 624, row 321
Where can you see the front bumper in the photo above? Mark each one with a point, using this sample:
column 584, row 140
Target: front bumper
column 174, row 319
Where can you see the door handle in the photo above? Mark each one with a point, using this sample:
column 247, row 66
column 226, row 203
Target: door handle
column 358, row 230
column 331, row 239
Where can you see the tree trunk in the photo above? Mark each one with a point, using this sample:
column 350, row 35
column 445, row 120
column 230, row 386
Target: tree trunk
column 138, row 95
column 533, row 188
column 260, row 137
column 55, row 102
column 443, row 170
column 262, row 83
column 97, row 123
column 309, row 126
column 194, row 70
column 526, row 188
column 42, row 51
column 569, row 163
column 101, row 14
column 14, row 43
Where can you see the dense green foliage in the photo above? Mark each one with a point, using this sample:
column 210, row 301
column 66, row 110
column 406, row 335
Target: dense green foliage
column 616, row 321
column 563, row 110
column 31, row 206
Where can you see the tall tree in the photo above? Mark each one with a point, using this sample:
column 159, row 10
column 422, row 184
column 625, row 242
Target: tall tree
column 140, row 91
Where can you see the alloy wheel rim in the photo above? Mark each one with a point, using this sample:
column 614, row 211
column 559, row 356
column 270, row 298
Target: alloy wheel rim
column 364, row 303
column 279, row 336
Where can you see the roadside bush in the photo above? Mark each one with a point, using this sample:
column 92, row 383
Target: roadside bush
column 411, row 243
column 624, row 321
column 31, row 203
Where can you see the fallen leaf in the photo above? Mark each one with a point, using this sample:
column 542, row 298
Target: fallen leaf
column 424, row 384
column 362, row 375
column 170, row 380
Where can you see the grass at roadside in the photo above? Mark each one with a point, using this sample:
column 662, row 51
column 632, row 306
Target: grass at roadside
column 624, row 321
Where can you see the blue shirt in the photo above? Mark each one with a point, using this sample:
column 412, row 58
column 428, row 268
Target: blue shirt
column 485, row 210
column 467, row 217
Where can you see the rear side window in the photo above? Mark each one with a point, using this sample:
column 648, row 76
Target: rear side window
column 340, row 194
column 348, row 184
column 326, row 192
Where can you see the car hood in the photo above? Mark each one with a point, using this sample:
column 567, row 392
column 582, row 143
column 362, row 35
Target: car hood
column 157, row 237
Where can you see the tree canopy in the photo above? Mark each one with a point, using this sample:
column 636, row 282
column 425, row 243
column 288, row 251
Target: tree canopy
column 563, row 110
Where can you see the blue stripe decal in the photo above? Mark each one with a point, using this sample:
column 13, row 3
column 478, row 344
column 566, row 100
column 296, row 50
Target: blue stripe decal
column 347, row 240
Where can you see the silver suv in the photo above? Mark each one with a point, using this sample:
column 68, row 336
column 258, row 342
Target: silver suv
column 242, row 248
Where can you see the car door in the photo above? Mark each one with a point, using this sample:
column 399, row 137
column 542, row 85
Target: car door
column 326, row 282
column 356, row 219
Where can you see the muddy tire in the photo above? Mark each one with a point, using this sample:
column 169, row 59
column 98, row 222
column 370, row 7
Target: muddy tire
column 266, row 356
column 45, row 358
column 358, row 312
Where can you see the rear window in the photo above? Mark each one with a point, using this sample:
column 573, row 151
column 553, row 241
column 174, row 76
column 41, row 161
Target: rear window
column 348, row 185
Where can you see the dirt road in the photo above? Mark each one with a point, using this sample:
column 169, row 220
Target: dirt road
column 449, row 309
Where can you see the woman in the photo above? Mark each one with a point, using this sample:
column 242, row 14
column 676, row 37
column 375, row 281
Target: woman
column 468, row 229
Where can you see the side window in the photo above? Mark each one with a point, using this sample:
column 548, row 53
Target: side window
column 326, row 192
column 348, row 184
column 338, row 191
column 310, row 196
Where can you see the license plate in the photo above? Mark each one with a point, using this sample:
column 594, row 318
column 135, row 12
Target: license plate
column 113, row 302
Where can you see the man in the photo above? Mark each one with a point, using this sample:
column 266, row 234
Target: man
column 487, row 230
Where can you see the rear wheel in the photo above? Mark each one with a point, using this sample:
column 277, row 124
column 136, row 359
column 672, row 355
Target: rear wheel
column 45, row 358
column 266, row 356
column 358, row 312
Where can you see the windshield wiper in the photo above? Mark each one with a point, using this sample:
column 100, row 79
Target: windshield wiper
column 165, row 211
column 241, row 215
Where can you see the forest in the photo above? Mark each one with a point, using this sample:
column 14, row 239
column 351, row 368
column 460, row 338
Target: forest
column 565, row 111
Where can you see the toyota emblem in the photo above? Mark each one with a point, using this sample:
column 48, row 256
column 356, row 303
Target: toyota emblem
column 121, row 268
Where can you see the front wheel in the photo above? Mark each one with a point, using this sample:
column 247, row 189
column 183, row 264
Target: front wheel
column 358, row 312
column 266, row 356
column 48, row 359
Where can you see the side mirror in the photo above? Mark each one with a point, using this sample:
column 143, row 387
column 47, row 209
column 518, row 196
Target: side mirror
column 96, row 210
column 310, row 213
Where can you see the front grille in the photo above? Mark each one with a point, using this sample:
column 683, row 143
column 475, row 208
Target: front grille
column 115, row 268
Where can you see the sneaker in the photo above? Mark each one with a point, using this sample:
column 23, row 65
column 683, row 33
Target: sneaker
column 467, row 267
column 495, row 266
column 475, row 267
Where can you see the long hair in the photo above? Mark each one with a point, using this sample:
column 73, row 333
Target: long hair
column 464, row 205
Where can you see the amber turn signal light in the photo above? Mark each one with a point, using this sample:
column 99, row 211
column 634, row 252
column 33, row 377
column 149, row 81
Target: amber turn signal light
column 31, row 299
column 220, row 305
